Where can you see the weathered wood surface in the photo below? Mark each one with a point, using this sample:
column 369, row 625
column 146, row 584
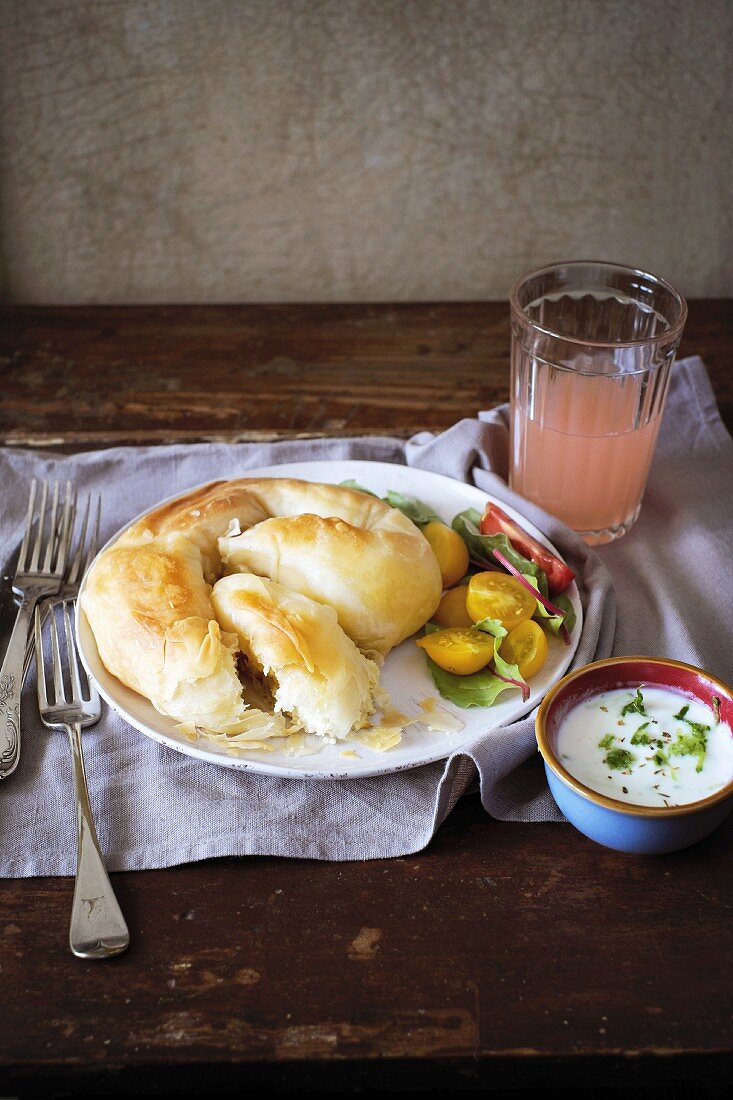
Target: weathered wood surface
column 502, row 956
column 115, row 375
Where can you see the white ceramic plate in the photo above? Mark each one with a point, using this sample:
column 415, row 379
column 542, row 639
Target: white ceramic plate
column 404, row 674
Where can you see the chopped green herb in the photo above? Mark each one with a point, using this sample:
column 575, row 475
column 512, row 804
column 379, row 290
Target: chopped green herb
column 694, row 743
column 698, row 728
column 660, row 758
column 606, row 741
column 636, row 706
column 619, row 759
column 641, row 737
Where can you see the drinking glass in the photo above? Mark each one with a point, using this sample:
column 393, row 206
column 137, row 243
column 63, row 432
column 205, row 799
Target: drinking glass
column 592, row 347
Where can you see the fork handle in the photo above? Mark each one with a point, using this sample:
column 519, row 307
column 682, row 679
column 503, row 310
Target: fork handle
column 98, row 929
column 11, row 687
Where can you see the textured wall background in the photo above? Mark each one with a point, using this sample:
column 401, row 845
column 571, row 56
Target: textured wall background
column 220, row 150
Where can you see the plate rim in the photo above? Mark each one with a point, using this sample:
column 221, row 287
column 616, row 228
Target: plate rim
column 364, row 769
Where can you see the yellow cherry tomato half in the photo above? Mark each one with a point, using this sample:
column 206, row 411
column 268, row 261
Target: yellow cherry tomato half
column 526, row 647
column 450, row 550
column 499, row 596
column 452, row 609
column 462, row 650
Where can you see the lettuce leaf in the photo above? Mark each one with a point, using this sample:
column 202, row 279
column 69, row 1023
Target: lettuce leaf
column 502, row 668
column 414, row 509
column 553, row 623
column 480, row 689
column 480, row 547
column 351, row 484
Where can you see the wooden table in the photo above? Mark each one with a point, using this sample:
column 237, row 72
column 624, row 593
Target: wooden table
column 502, row 956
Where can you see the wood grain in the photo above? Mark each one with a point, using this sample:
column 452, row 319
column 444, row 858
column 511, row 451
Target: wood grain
column 85, row 377
column 503, row 956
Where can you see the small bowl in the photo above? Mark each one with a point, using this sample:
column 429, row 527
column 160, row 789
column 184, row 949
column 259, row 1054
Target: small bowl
column 644, row 830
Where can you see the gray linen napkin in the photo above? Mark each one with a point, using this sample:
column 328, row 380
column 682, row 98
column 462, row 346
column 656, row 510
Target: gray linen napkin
column 155, row 807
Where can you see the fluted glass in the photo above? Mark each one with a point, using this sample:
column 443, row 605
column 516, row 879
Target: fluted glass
column 592, row 347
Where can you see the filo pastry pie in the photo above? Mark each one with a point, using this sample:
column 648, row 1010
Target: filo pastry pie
column 294, row 650
column 321, row 582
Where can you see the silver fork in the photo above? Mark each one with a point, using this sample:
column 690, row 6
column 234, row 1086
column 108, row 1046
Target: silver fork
column 38, row 574
column 98, row 929
column 76, row 568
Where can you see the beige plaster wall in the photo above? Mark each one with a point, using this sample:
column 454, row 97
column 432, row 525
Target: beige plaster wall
column 219, row 150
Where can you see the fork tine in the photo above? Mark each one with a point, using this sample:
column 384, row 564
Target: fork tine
column 68, row 516
column 28, row 527
column 72, row 519
column 58, row 672
column 72, row 573
column 39, row 530
column 40, row 663
column 51, row 531
column 72, row 659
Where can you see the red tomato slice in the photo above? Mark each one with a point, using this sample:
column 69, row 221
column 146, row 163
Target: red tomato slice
column 496, row 522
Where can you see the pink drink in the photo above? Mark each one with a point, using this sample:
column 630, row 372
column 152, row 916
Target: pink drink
column 584, row 461
column 592, row 347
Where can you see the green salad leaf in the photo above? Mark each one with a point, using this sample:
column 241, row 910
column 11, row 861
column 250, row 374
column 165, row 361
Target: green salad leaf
column 481, row 547
column 495, row 627
column 351, row 484
column 555, row 622
column 480, row 689
column 502, row 667
column 546, row 618
column 414, row 509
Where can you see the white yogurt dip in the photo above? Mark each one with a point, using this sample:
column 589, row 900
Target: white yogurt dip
column 649, row 746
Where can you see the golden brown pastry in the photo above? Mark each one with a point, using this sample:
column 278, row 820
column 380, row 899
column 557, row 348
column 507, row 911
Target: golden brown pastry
column 150, row 611
column 296, row 648
column 148, row 598
column 380, row 578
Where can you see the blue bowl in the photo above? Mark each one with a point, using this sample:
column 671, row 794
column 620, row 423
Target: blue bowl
column 643, row 830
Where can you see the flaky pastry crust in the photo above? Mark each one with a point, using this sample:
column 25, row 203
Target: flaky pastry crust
column 149, row 604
